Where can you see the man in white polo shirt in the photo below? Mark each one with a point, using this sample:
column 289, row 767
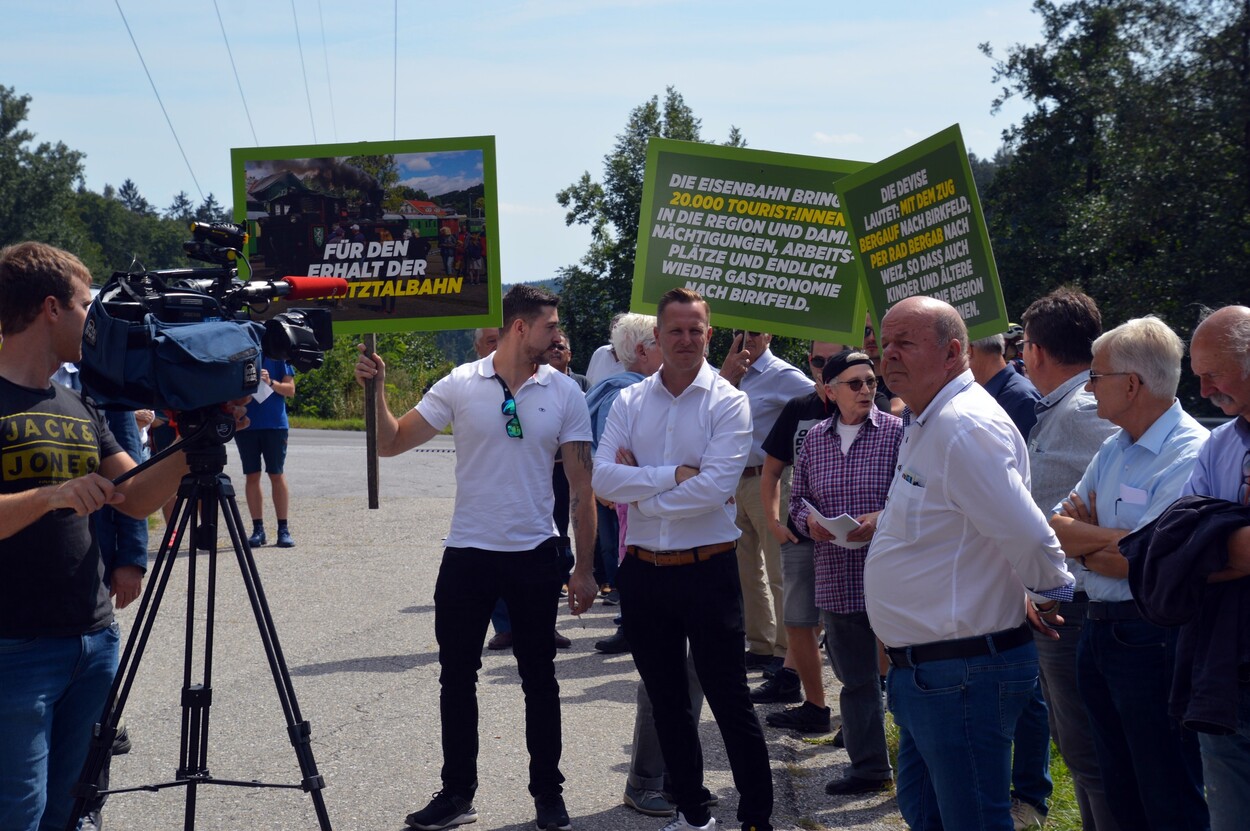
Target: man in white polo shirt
column 510, row 413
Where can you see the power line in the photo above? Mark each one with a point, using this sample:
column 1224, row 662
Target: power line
column 304, row 70
column 395, row 77
column 239, row 83
column 168, row 121
column 325, row 54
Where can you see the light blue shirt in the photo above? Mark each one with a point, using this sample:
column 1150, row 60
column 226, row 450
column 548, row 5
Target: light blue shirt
column 1136, row 480
column 769, row 383
column 1221, row 462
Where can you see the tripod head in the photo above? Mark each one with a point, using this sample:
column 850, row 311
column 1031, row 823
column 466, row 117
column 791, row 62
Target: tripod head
column 205, row 432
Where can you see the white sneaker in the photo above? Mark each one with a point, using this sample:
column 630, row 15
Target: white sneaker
column 678, row 823
column 1024, row 816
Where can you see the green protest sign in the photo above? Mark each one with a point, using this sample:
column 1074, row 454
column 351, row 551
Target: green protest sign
column 760, row 235
column 411, row 225
column 917, row 229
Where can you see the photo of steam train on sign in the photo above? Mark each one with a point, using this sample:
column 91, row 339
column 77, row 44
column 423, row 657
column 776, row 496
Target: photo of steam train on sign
column 411, row 232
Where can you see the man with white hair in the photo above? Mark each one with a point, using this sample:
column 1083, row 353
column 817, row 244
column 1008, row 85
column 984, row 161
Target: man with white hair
column 633, row 338
column 1149, row 764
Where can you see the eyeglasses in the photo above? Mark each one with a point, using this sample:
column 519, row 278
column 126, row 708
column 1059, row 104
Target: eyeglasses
column 817, row 361
column 1094, row 377
column 513, row 426
column 857, row 384
column 745, row 334
column 559, row 347
column 1025, row 343
column 868, row 333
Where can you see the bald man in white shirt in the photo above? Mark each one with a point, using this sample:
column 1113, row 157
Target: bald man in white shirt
column 958, row 548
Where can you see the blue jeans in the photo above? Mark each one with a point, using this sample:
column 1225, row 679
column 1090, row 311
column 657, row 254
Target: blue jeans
column 607, row 544
column 1030, row 757
column 1226, row 770
column 1150, row 765
column 956, row 721
column 1069, row 723
column 52, row 692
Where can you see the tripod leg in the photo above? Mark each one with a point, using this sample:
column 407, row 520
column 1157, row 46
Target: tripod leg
column 298, row 729
column 100, row 749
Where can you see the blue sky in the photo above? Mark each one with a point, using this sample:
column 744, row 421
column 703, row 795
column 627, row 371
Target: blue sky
column 552, row 80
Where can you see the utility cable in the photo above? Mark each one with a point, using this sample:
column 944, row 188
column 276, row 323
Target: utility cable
column 158, row 99
column 395, row 76
column 238, row 82
column 304, row 70
column 325, row 55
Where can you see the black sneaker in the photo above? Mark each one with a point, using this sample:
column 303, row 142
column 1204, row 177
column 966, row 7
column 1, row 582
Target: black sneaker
column 782, row 688
column 806, row 718
column 257, row 539
column 754, row 660
column 551, row 813
column 444, row 811
column 614, row 645
column 121, row 742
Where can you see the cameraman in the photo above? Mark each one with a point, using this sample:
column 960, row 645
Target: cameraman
column 58, row 641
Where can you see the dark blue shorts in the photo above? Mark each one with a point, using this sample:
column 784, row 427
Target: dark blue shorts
column 257, row 444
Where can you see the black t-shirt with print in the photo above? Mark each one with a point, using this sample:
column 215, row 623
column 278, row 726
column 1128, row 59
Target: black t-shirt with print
column 53, row 579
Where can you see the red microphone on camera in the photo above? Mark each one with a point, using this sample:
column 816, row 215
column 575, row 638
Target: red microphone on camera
column 296, row 288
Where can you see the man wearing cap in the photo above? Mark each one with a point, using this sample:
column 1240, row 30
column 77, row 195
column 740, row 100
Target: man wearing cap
column 959, row 550
column 845, row 468
column 673, row 449
column 769, row 383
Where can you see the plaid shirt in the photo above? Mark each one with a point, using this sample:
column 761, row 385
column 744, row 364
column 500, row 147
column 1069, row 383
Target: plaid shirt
column 838, row 482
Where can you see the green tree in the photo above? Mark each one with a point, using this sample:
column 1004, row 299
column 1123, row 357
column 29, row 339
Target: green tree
column 210, row 210
column 1131, row 175
column 598, row 286
column 413, row 363
column 182, row 209
column 120, row 239
column 36, row 183
column 133, row 201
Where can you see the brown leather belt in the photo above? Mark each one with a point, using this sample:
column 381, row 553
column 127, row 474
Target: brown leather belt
column 747, row 473
column 679, row 558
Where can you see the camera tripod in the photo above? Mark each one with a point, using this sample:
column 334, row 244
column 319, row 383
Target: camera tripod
column 202, row 493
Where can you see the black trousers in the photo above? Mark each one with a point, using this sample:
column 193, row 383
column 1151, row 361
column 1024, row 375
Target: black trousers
column 470, row 580
column 664, row 608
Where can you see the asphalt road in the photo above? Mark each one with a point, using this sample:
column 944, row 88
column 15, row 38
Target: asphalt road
column 353, row 606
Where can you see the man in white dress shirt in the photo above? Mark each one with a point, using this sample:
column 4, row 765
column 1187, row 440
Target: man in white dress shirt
column 673, row 448
column 958, row 548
